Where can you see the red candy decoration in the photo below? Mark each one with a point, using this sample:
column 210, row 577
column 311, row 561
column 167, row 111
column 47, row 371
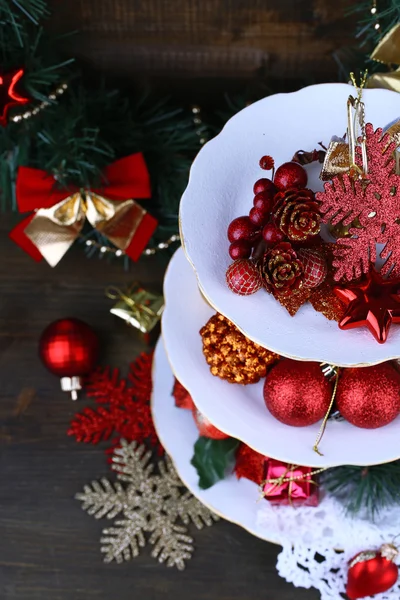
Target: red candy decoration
column 69, row 349
column 242, row 228
column 369, row 397
column 207, row 429
column 297, row 393
column 289, row 175
column 265, row 185
column 372, row 572
column 240, row 249
column 243, row 277
column 315, row 267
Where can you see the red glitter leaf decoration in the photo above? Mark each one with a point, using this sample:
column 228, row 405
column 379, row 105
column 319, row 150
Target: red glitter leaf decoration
column 127, row 413
column 374, row 202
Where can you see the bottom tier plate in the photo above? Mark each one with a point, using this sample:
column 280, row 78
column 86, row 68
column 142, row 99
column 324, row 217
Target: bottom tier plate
column 178, row 434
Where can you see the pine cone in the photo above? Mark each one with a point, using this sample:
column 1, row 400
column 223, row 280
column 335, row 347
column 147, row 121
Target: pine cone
column 296, row 213
column 231, row 355
column 282, row 270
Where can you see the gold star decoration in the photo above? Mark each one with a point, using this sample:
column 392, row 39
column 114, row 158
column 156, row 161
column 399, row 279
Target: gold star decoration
column 150, row 503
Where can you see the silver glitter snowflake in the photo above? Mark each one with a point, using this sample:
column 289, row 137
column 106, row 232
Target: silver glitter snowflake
column 149, row 504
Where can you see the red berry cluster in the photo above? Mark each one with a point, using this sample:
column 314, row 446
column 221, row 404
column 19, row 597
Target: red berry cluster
column 283, row 210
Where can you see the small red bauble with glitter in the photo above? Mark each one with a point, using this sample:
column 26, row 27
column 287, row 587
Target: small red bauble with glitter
column 369, row 397
column 242, row 228
column 290, row 175
column 69, row 349
column 267, row 162
column 315, row 267
column 182, row 397
column 206, row 428
column 243, row 277
column 297, row 393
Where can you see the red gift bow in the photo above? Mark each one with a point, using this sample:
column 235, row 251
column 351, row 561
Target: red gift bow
column 123, row 180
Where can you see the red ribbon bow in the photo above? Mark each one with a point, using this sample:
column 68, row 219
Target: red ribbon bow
column 59, row 214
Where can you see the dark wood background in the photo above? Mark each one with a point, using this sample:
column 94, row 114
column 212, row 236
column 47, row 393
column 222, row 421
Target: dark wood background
column 201, row 48
column 49, row 548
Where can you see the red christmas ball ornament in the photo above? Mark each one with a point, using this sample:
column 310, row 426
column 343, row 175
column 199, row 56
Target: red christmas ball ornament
column 243, row 277
column 182, row 397
column 272, row 235
column 315, row 267
column 290, row 175
column 207, row 429
column 265, row 185
column 242, row 228
column 69, row 349
column 369, row 397
column 263, row 201
column 297, row 393
column 372, row 572
column 258, row 216
column 240, row 249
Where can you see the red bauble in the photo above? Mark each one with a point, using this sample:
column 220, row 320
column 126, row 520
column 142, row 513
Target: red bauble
column 315, row 267
column 258, row 216
column 289, row 175
column 369, row 397
column 243, row 277
column 372, row 572
column 263, row 201
column 272, row 235
column 69, row 349
column 265, row 185
column 207, row 429
column 297, row 393
column 242, row 229
column 240, row 249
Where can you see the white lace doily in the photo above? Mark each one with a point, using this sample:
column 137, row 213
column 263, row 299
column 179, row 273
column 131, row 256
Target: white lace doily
column 319, row 542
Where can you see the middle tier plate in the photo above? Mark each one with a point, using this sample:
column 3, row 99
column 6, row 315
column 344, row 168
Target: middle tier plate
column 239, row 410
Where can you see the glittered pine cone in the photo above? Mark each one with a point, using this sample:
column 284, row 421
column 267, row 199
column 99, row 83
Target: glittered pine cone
column 231, row 355
column 296, row 213
column 281, row 269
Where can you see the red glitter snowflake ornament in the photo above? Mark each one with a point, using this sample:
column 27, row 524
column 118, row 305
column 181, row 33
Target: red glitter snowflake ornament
column 375, row 201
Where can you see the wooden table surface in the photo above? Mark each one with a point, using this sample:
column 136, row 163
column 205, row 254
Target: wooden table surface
column 49, row 548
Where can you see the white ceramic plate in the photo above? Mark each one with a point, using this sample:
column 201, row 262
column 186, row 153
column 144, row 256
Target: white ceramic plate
column 220, row 189
column 239, row 410
column 178, row 434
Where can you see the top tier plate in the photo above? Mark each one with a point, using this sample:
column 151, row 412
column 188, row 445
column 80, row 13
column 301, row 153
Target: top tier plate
column 221, row 188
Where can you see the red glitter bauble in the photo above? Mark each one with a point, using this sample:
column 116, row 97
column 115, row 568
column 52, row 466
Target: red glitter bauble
column 265, row 185
column 242, row 228
column 258, row 216
column 289, row 175
column 369, row 397
column 207, row 429
column 263, row 201
column 272, row 235
column 315, row 267
column 240, row 249
column 297, row 393
column 69, row 349
column 243, row 277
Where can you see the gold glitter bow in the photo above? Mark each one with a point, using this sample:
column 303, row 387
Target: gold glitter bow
column 387, row 52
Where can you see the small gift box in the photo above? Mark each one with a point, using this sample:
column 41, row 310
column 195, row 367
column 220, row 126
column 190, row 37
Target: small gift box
column 139, row 308
column 289, row 484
